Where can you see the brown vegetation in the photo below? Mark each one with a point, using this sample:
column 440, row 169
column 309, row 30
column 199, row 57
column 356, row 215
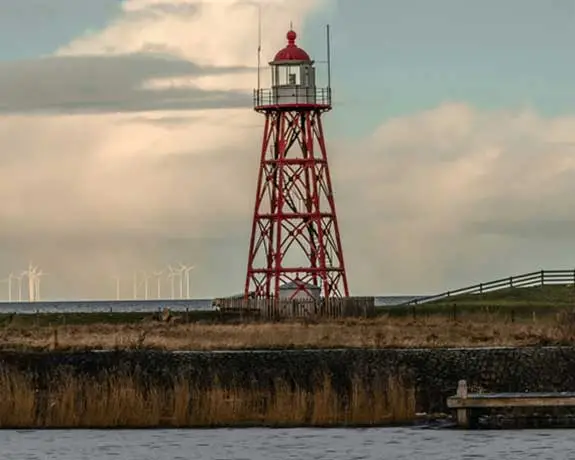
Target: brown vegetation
column 434, row 331
column 120, row 402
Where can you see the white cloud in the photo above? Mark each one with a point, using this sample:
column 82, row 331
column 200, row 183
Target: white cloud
column 455, row 195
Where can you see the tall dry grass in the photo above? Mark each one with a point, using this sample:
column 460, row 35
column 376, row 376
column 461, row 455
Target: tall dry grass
column 119, row 401
column 436, row 331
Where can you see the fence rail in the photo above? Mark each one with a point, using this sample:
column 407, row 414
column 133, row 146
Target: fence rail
column 533, row 279
column 299, row 308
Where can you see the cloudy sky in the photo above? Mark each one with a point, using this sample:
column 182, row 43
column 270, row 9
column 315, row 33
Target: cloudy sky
column 127, row 139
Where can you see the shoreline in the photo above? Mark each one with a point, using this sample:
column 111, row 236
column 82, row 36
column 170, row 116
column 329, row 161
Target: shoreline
column 354, row 388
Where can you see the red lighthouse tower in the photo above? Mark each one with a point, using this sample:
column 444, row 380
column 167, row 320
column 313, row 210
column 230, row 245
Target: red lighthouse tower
column 295, row 248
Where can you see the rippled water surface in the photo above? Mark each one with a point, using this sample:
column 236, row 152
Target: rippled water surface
column 261, row 444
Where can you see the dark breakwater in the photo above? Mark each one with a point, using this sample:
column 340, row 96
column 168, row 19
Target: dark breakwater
column 352, row 379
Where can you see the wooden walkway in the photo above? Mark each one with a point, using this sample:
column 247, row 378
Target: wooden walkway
column 464, row 402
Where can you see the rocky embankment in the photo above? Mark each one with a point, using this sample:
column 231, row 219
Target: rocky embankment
column 432, row 373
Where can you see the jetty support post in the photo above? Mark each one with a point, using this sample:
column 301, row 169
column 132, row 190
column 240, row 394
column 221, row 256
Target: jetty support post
column 462, row 412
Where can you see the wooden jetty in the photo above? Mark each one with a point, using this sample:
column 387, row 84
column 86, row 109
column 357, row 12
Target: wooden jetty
column 465, row 403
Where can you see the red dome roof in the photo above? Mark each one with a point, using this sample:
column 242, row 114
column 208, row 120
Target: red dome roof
column 292, row 52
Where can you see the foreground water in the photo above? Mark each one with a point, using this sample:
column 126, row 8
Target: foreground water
column 262, row 444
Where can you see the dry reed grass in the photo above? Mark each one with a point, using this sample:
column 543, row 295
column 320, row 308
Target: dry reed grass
column 383, row 332
column 120, row 402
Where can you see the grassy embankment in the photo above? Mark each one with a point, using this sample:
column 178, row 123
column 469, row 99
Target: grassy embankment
column 512, row 317
column 121, row 402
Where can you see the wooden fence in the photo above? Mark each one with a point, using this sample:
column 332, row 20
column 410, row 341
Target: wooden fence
column 362, row 307
column 533, row 279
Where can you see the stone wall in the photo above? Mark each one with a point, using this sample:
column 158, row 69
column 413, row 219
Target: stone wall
column 433, row 372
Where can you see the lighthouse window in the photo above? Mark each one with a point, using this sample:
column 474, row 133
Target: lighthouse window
column 306, row 76
column 290, row 75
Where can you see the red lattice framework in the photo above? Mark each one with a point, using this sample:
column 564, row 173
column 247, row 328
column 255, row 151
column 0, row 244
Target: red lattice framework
column 295, row 236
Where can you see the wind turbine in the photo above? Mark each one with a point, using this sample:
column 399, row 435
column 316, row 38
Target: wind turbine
column 9, row 281
column 19, row 279
column 146, row 284
column 186, row 270
column 117, row 279
column 135, row 285
column 180, row 272
column 30, row 274
column 37, row 278
column 33, row 275
column 158, row 276
column 171, row 275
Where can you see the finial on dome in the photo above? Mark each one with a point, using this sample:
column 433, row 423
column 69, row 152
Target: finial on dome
column 291, row 36
column 292, row 52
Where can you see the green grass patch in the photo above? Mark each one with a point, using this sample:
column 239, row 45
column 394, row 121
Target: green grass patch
column 537, row 295
column 520, row 302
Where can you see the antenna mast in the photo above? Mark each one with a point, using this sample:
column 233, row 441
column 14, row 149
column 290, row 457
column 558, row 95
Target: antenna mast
column 259, row 44
column 328, row 63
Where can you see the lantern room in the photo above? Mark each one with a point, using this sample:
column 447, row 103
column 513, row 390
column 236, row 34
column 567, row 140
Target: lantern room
column 293, row 77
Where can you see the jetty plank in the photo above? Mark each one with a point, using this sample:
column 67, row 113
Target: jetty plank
column 478, row 401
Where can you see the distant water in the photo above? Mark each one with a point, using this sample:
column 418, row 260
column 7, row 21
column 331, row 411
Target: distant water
column 139, row 305
column 97, row 306
column 389, row 301
column 305, row 444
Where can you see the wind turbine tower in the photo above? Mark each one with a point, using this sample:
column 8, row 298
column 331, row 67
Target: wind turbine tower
column 37, row 278
column 172, row 277
column 158, row 276
column 117, row 279
column 177, row 272
column 180, row 272
column 9, row 283
column 19, row 279
column 31, row 282
column 33, row 274
column 146, row 281
column 186, row 271
column 135, row 285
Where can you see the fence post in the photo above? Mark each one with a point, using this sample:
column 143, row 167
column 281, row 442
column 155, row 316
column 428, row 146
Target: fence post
column 542, row 277
column 510, row 281
column 481, row 288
